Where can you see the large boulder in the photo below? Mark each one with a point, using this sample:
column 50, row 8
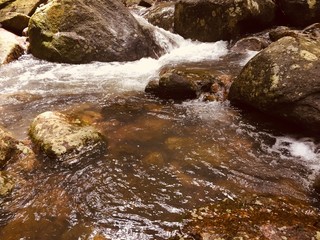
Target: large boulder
column 283, row 81
column 64, row 138
column 213, row 20
column 11, row 47
column 299, row 13
column 81, row 31
column 14, row 14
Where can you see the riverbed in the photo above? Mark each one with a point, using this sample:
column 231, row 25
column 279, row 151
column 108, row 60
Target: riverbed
column 164, row 158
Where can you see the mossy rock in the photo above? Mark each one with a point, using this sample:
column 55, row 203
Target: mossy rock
column 283, row 81
column 6, row 184
column 63, row 137
column 7, row 147
column 213, row 20
column 83, row 31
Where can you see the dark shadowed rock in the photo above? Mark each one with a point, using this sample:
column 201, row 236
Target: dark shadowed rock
column 82, row 31
column 63, row 137
column 250, row 43
column 283, row 81
column 182, row 83
column 212, row 20
column 162, row 15
column 282, row 31
column 299, row 13
column 10, row 47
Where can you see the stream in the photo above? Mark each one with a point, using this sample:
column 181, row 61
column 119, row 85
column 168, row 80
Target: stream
column 164, row 158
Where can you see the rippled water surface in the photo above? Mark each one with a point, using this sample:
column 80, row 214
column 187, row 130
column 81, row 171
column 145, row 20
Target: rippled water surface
column 163, row 158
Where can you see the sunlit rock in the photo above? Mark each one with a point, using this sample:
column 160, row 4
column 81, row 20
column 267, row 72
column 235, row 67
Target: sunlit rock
column 299, row 13
column 252, row 218
column 64, row 138
column 10, row 47
column 213, row 20
column 283, row 81
column 83, row 31
column 14, row 14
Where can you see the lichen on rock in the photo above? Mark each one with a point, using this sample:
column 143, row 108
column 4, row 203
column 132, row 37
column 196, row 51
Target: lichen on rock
column 60, row 136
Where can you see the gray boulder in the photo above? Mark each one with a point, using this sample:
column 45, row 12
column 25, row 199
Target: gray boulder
column 283, row 81
column 81, row 31
column 213, row 20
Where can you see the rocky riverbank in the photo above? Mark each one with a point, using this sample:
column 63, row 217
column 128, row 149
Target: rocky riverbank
column 281, row 81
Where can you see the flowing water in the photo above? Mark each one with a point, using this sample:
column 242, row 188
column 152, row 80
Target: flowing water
column 163, row 159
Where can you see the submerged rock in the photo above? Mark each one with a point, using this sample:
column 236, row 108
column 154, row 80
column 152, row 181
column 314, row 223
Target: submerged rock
column 283, row 81
column 83, row 31
column 6, row 184
column 10, row 47
column 253, row 218
column 64, row 138
column 7, row 147
column 189, row 83
column 213, row 20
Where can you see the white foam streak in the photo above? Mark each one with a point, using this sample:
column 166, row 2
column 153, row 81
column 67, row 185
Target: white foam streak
column 40, row 77
column 304, row 150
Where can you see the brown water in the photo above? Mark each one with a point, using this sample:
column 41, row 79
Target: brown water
column 163, row 160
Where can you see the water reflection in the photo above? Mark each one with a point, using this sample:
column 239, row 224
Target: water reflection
column 163, row 159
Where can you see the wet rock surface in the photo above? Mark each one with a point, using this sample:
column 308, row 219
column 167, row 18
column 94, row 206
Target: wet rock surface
column 6, row 184
column 189, row 83
column 80, row 32
column 7, row 147
column 162, row 15
column 211, row 21
column 60, row 137
column 11, row 47
column 275, row 81
column 253, row 217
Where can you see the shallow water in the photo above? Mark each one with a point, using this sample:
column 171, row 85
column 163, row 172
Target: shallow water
column 163, row 158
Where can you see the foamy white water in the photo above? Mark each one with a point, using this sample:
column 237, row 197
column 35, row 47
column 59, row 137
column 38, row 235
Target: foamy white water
column 35, row 76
